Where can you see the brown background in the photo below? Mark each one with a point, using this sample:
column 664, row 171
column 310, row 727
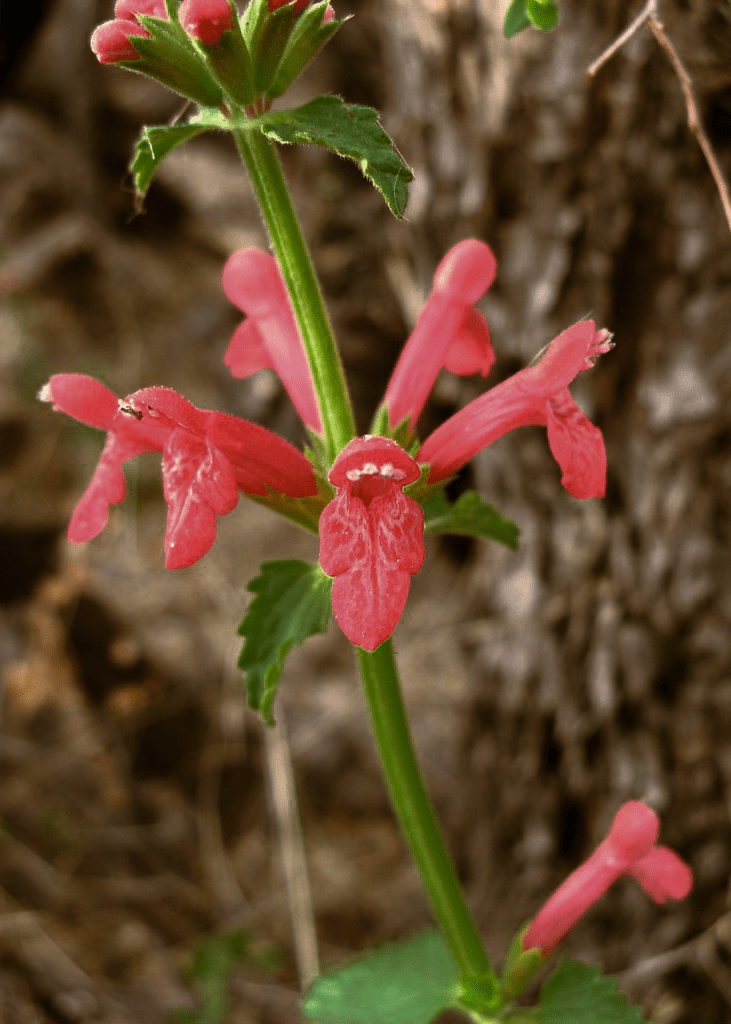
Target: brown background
column 137, row 796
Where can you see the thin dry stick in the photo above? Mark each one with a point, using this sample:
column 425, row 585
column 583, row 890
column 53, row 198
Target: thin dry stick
column 294, row 861
column 648, row 15
column 694, row 121
column 649, row 9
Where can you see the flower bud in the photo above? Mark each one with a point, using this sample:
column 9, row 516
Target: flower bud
column 129, row 10
column 297, row 7
column 206, row 20
column 111, row 41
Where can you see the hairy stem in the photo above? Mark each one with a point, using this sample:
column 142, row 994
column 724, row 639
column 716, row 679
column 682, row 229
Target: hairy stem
column 414, row 810
column 294, row 260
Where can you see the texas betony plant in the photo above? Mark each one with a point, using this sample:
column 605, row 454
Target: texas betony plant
column 372, row 498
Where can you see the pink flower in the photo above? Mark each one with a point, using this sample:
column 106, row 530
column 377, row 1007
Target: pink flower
column 268, row 338
column 537, row 396
column 111, row 41
column 449, row 333
column 207, row 458
column 206, row 20
column 629, row 849
column 371, row 538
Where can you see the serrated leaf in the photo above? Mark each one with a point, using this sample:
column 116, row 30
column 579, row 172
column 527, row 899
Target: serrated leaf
column 579, row 993
column 516, row 19
column 543, row 14
column 292, row 602
column 470, row 516
column 405, row 983
column 350, row 131
column 156, row 142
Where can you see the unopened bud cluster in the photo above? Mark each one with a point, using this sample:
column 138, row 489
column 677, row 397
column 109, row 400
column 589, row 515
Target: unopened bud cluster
column 205, row 51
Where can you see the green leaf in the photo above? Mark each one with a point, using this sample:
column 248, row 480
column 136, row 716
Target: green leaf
column 471, row 516
column 155, row 143
column 578, row 993
column 404, row 983
column 543, row 14
column 515, row 19
column 291, row 603
column 350, row 131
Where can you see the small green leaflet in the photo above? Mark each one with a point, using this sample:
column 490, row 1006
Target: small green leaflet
column 405, row 983
column 578, row 993
column 351, row 131
column 521, row 14
column 291, row 603
column 471, row 516
column 515, row 19
column 543, row 14
column 155, row 143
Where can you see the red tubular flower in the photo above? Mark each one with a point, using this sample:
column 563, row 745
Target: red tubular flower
column 268, row 338
column 537, row 396
column 206, row 20
column 371, row 538
column 629, row 849
column 449, row 333
column 207, row 458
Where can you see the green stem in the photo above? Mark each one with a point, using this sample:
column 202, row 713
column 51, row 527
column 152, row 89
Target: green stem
column 414, row 810
column 294, row 260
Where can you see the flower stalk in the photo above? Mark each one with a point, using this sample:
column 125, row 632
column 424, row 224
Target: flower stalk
column 294, row 260
column 414, row 811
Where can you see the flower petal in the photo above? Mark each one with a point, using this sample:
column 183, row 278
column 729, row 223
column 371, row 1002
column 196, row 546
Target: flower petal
column 197, row 484
column 252, row 281
column 577, row 446
column 387, row 458
column 470, row 350
column 260, row 459
column 663, row 875
column 371, row 552
column 106, row 487
column 84, row 398
column 247, row 352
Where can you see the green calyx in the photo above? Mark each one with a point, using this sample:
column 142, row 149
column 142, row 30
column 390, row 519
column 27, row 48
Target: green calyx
column 169, row 57
column 229, row 63
column 282, row 43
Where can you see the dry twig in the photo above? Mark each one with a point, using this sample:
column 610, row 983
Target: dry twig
column 294, row 861
column 648, row 10
column 648, row 15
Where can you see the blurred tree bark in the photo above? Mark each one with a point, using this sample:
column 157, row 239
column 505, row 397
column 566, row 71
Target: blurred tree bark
column 599, row 656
